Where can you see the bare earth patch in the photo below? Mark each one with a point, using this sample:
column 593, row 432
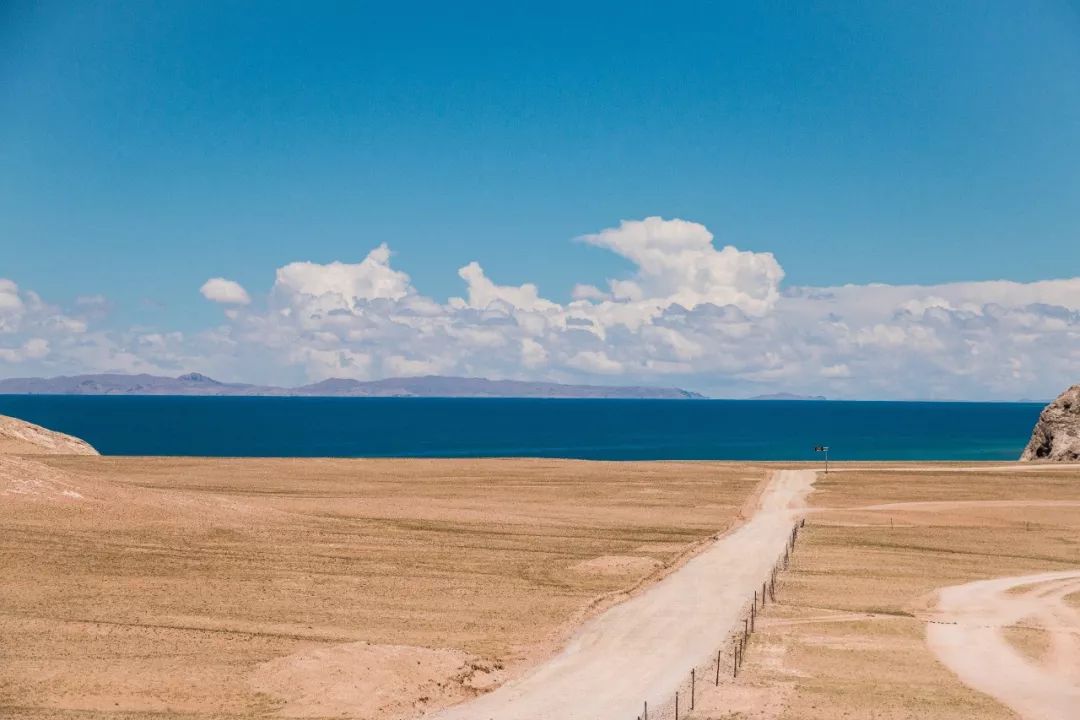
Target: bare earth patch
column 634, row 566
column 20, row 475
column 660, row 548
column 370, row 680
column 1033, row 642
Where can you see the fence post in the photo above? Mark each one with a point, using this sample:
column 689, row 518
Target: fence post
column 693, row 684
column 718, row 667
column 676, row 705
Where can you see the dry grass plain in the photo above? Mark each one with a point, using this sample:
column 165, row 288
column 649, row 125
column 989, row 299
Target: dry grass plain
column 198, row 588
column 236, row 588
column 847, row 638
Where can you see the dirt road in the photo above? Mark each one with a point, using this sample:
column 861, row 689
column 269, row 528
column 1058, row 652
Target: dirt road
column 967, row 635
column 642, row 649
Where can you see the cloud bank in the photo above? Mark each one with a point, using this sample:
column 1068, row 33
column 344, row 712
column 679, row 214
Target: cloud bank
column 691, row 314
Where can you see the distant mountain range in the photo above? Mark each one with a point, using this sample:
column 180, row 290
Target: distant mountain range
column 427, row 386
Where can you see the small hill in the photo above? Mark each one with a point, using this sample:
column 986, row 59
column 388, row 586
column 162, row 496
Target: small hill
column 123, row 384
column 18, row 437
column 787, row 396
column 1057, row 433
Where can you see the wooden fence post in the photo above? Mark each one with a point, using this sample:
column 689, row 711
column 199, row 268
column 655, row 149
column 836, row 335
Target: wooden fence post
column 693, row 684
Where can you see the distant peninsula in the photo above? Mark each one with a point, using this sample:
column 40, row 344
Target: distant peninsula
column 196, row 384
column 787, row 396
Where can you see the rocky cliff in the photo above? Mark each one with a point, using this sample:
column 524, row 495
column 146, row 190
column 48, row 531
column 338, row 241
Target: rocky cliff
column 1057, row 434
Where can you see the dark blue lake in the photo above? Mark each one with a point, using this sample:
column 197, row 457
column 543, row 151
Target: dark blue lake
column 597, row 429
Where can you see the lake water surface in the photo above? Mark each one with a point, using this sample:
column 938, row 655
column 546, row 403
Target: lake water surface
column 595, row 429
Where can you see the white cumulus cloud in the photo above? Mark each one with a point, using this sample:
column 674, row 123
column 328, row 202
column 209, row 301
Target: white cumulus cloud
column 483, row 293
column 226, row 292
column 678, row 263
column 342, row 285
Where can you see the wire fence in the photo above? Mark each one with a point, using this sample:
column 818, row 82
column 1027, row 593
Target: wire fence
column 732, row 653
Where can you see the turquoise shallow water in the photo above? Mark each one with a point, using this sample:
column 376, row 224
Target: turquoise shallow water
column 595, row 429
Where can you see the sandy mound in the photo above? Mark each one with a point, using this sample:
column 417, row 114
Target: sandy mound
column 618, row 565
column 18, row 437
column 362, row 680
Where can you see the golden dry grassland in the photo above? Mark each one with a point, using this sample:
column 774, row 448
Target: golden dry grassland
column 186, row 587
column 847, row 638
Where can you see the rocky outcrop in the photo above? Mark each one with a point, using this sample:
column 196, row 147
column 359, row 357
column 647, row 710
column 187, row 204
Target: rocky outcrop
column 1057, row 434
column 18, row 437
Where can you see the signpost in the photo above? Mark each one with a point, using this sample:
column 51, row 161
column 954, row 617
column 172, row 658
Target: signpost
column 824, row 449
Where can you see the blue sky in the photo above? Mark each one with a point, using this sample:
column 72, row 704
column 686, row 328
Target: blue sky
column 147, row 147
